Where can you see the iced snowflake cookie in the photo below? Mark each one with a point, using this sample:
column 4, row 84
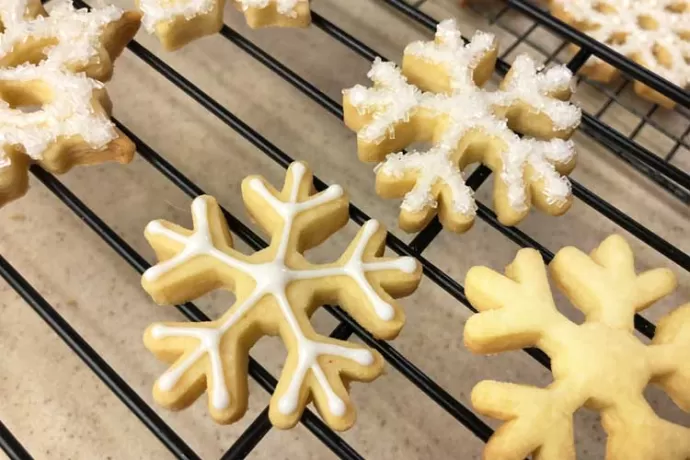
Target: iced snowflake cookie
column 178, row 22
column 600, row 364
column 54, row 110
column 438, row 98
column 277, row 291
column 653, row 33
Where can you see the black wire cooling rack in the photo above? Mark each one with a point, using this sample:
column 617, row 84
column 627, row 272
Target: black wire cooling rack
column 657, row 168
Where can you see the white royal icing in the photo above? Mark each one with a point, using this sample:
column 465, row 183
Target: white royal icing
column 272, row 278
column 69, row 113
column 639, row 41
column 159, row 11
column 393, row 100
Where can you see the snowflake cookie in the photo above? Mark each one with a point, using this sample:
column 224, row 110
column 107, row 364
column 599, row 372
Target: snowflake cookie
column 653, row 33
column 438, row 98
column 277, row 291
column 600, row 364
column 178, row 22
column 54, row 109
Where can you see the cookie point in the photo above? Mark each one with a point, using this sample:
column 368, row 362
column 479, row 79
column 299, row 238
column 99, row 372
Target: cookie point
column 157, row 331
column 365, row 358
column 335, row 190
column 166, row 382
column 337, row 407
column 150, row 274
column 408, row 264
column 199, row 204
column 371, row 226
column 286, row 405
column 154, row 227
column 298, row 167
column 384, row 311
column 221, row 399
column 447, row 23
column 256, row 184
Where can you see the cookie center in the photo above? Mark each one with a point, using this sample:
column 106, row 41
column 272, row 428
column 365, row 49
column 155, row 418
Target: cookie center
column 272, row 277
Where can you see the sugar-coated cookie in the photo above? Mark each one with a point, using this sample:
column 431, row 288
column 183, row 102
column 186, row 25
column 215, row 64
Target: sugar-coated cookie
column 438, row 98
column 277, row 291
column 177, row 23
column 54, row 110
column 599, row 364
column 653, row 33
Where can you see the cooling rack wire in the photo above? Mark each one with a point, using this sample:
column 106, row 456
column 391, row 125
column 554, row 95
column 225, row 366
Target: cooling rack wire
column 644, row 143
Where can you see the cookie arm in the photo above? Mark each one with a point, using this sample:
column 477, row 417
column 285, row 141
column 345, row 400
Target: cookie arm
column 373, row 282
column 516, row 311
column 669, row 355
column 538, row 421
column 14, row 178
column 320, row 368
column 192, row 263
column 387, row 117
column 605, row 287
column 208, row 356
column 635, row 432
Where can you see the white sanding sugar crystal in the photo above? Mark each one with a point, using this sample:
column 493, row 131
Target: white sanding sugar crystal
column 460, row 59
column 534, row 88
column 69, row 112
column 284, row 7
column 77, row 32
column 436, row 166
column 158, row 11
column 392, row 93
column 12, row 11
column 628, row 19
column 468, row 109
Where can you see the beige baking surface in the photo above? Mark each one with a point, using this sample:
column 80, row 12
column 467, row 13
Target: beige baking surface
column 60, row 410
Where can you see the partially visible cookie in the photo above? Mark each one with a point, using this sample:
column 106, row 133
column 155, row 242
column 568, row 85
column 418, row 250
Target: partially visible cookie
column 653, row 33
column 54, row 109
column 277, row 290
column 438, row 98
column 599, row 364
column 179, row 22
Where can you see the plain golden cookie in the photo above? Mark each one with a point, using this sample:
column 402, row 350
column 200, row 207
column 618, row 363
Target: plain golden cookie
column 599, row 364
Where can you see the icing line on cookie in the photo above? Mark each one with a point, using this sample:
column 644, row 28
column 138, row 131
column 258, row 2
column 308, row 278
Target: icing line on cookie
column 272, row 278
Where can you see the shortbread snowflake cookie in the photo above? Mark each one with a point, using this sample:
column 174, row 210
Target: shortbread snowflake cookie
column 178, row 22
column 438, row 98
column 653, row 33
column 54, row 110
column 277, row 291
column 599, row 364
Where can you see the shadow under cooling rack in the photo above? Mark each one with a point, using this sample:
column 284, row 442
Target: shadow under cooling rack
column 658, row 169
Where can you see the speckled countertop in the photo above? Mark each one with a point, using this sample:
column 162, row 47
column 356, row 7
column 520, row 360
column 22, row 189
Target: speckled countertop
column 56, row 406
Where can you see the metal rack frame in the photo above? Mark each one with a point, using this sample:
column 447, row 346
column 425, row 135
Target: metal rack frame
column 615, row 142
